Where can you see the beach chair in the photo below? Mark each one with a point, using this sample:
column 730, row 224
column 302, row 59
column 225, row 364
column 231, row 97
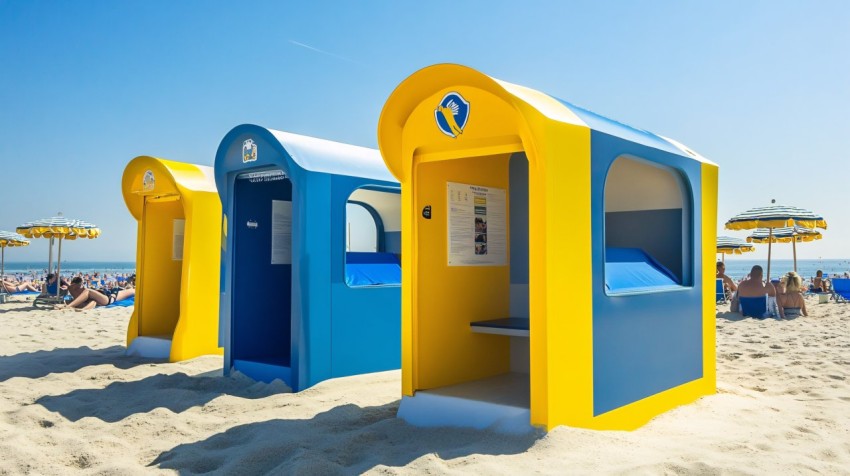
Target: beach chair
column 754, row 306
column 720, row 292
column 841, row 289
column 48, row 298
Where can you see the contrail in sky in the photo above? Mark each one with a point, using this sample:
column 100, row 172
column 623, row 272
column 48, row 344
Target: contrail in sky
column 311, row 48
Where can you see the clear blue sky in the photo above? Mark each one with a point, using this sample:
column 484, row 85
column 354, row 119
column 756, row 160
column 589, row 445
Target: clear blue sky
column 760, row 87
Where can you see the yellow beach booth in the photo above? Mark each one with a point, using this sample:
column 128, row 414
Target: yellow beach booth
column 558, row 266
column 177, row 258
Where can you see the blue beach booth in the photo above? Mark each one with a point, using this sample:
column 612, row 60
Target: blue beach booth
column 311, row 242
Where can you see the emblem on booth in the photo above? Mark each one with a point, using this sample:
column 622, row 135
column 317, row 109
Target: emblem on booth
column 452, row 114
column 249, row 151
column 148, row 181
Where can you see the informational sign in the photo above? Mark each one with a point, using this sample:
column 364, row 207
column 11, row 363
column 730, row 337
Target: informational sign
column 177, row 233
column 264, row 176
column 281, row 232
column 477, row 225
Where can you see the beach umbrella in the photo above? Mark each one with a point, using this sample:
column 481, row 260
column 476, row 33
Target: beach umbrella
column 772, row 217
column 11, row 240
column 728, row 245
column 792, row 234
column 59, row 228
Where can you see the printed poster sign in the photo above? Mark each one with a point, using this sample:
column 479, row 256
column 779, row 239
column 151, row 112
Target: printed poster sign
column 281, row 232
column 477, row 225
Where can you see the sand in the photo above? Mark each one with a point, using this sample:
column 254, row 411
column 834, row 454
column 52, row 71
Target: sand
column 70, row 401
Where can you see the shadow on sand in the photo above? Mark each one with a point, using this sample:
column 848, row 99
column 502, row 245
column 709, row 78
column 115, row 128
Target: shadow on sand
column 24, row 306
column 737, row 317
column 347, row 439
column 44, row 362
column 176, row 392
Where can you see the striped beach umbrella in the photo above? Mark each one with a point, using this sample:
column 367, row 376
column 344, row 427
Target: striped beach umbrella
column 788, row 234
column 772, row 217
column 60, row 228
column 728, row 245
column 11, row 240
column 775, row 216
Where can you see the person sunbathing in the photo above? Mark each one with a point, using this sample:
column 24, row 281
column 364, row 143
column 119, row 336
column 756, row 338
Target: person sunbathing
column 792, row 304
column 11, row 287
column 89, row 298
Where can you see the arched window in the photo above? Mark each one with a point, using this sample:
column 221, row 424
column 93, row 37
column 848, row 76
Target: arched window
column 647, row 228
column 361, row 228
column 373, row 237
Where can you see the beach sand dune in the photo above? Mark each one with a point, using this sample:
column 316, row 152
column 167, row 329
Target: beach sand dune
column 70, row 401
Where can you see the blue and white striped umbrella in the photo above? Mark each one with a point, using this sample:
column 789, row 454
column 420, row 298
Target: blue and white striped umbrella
column 792, row 234
column 61, row 228
column 11, row 240
column 7, row 238
column 775, row 216
column 784, row 235
column 729, row 245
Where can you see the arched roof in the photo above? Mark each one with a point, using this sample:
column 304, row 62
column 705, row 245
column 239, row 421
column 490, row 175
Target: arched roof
column 429, row 80
column 316, row 155
column 168, row 178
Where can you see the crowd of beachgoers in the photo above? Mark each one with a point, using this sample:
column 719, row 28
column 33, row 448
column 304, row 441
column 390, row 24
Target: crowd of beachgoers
column 91, row 280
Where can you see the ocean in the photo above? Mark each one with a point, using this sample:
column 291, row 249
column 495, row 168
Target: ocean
column 739, row 268
column 71, row 267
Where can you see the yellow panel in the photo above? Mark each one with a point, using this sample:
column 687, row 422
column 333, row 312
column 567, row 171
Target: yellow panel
column 197, row 331
column 560, row 268
column 709, row 300
column 448, row 298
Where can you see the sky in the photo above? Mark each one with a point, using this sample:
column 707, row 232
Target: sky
column 762, row 88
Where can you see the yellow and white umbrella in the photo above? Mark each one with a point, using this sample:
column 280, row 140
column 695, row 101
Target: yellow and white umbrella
column 789, row 234
column 728, row 245
column 772, row 217
column 11, row 240
column 60, row 228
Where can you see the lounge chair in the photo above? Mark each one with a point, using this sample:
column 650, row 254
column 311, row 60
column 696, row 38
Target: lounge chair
column 48, row 298
column 720, row 292
column 841, row 289
column 754, row 306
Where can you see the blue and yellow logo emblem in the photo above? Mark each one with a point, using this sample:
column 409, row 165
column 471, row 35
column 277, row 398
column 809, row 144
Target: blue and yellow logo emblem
column 452, row 114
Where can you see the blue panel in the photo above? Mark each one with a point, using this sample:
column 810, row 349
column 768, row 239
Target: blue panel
column 261, row 291
column 631, row 269
column 366, row 329
column 392, row 242
column 311, row 338
column 518, row 212
column 644, row 344
column 263, row 372
column 370, row 269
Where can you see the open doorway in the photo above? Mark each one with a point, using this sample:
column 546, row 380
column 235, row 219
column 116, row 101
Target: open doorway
column 472, row 287
column 262, row 276
column 162, row 253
